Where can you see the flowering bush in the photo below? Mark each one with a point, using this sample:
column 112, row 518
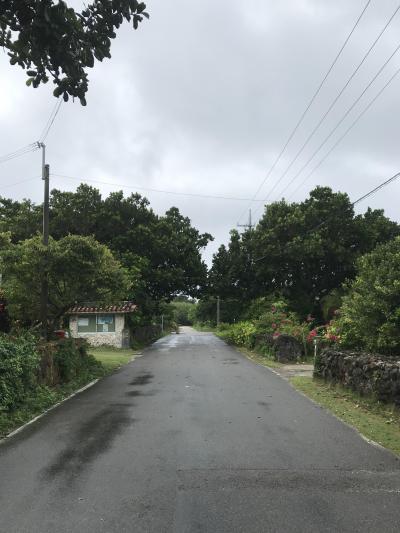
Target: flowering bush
column 274, row 321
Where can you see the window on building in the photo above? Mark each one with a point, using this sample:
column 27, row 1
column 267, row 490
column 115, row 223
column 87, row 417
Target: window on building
column 105, row 323
column 87, row 324
column 96, row 323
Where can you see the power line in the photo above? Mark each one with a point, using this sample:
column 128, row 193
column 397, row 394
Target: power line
column 18, row 153
column 50, row 121
column 34, row 146
column 303, row 115
column 366, row 195
column 346, row 114
column 345, row 133
column 8, row 185
column 335, row 100
column 378, row 188
column 163, row 191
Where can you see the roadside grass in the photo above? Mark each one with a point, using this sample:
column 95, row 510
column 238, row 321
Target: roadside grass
column 113, row 358
column 373, row 419
column 259, row 358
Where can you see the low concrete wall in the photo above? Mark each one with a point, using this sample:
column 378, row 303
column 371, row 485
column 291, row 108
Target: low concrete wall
column 364, row 373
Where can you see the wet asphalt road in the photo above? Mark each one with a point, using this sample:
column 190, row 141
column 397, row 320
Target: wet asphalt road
column 193, row 437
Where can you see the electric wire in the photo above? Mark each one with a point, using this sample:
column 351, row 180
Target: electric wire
column 303, row 115
column 50, row 121
column 335, row 100
column 8, row 185
column 20, row 152
column 338, row 124
column 363, row 112
column 366, row 195
column 163, row 191
column 36, row 145
column 378, row 188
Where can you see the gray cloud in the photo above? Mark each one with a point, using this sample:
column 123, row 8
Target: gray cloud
column 202, row 98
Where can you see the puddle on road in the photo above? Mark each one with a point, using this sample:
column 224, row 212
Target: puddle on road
column 91, row 439
column 142, row 379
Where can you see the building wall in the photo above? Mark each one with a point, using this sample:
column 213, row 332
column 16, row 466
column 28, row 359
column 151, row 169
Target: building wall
column 99, row 339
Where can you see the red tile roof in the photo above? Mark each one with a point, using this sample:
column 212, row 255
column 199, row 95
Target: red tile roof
column 126, row 307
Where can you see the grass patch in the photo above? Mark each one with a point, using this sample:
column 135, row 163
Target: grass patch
column 373, row 419
column 113, row 358
column 259, row 358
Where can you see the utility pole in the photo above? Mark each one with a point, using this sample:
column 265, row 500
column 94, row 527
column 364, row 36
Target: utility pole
column 45, row 282
column 249, row 224
column 218, row 310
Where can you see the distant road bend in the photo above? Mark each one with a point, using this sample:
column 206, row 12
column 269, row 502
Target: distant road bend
column 193, row 437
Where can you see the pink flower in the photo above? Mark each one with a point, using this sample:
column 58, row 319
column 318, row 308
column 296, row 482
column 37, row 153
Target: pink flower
column 274, row 326
column 333, row 338
column 311, row 335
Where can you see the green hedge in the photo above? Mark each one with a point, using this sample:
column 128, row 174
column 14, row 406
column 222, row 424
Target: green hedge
column 27, row 365
column 19, row 362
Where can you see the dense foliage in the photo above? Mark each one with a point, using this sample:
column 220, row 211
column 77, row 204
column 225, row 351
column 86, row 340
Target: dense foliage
column 34, row 375
column 302, row 252
column 19, row 361
column 266, row 321
column 183, row 311
column 160, row 254
column 73, row 362
column 370, row 314
column 50, row 39
column 78, row 269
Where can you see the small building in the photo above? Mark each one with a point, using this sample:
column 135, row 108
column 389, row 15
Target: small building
column 102, row 325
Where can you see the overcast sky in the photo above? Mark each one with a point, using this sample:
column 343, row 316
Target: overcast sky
column 202, row 98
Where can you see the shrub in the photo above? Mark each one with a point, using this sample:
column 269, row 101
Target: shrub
column 240, row 333
column 73, row 361
column 19, row 363
column 28, row 366
column 370, row 315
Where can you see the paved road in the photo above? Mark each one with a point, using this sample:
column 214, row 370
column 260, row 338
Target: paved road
column 193, row 437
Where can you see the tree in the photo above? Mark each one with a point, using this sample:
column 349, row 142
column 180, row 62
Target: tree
column 370, row 314
column 50, row 39
column 79, row 269
column 161, row 254
column 21, row 219
column 183, row 312
column 175, row 263
column 311, row 248
column 301, row 252
column 5, row 242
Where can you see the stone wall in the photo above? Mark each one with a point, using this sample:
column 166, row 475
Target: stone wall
column 365, row 373
column 146, row 334
column 99, row 339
